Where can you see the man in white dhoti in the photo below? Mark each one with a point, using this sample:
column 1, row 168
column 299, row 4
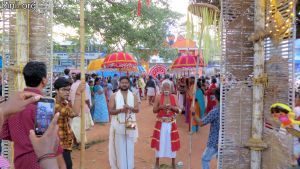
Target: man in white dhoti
column 75, row 124
column 123, row 106
column 165, row 139
column 151, row 90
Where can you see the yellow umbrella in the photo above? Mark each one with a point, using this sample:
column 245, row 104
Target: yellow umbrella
column 95, row 64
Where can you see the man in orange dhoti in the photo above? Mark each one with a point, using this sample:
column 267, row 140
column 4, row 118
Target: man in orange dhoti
column 165, row 139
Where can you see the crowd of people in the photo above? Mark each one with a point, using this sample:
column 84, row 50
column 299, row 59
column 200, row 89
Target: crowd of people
column 114, row 100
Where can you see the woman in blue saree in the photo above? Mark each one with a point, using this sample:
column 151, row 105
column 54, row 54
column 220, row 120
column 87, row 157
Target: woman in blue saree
column 100, row 111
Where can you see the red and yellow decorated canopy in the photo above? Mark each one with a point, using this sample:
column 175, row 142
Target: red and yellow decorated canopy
column 186, row 62
column 119, row 60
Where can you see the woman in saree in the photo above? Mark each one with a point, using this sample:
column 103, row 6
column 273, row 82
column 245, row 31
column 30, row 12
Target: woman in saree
column 100, row 111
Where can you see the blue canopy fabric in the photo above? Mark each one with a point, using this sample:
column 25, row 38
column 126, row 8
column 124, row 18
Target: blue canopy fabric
column 110, row 73
column 141, row 69
column 1, row 63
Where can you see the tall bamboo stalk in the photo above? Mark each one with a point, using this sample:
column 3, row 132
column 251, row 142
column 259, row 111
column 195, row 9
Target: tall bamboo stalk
column 21, row 55
column 195, row 88
column 258, row 88
column 22, row 42
column 82, row 50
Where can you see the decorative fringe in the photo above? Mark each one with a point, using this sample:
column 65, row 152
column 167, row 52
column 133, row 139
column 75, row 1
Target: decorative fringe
column 192, row 26
column 156, row 136
column 175, row 146
column 139, row 8
column 207, row 20
column 188, row 27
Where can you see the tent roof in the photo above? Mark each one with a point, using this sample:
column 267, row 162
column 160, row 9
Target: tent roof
column 181, row 42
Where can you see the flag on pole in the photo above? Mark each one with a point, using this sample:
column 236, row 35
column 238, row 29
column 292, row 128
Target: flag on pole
column 139, row 8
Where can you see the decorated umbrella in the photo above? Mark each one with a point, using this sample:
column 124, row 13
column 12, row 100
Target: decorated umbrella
column 121, row 61
column 186, row 62
column 95, row 65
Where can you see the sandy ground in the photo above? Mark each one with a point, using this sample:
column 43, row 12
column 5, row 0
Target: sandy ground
column 96, row 156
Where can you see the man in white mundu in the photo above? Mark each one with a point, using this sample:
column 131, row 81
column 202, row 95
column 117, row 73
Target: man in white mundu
column 123, row 106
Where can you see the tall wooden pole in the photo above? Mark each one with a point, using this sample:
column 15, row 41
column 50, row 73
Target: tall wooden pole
column 82, row 50
column 195, row 88
column 21, row 54
column 256, row 143
column 22, row 44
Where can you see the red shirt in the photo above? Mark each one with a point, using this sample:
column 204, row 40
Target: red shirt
column 16, row 128
column 211, row 103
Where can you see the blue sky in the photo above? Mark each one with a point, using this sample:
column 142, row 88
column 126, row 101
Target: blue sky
column 179, row 6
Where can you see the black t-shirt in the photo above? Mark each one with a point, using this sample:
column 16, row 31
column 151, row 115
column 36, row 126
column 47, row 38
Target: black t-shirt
column 150, row 83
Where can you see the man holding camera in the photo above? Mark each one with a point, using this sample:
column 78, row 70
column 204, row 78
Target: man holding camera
column 16, row 128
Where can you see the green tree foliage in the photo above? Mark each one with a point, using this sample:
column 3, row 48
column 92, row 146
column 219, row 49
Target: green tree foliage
column 168, row 53
column 118, row 23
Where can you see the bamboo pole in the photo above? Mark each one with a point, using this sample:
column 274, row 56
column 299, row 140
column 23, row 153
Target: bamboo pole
column 21, row 55
column 195, row 87
column 256, row 143
column 82, row 50
column 22, row 42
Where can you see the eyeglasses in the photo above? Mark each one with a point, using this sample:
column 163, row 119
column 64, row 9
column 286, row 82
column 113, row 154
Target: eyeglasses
column 65, row 89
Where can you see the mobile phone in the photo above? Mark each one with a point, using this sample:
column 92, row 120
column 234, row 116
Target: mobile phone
column 44, row 113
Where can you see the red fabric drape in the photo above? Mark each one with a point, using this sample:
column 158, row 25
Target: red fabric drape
column 175, row 142
column 211, row 103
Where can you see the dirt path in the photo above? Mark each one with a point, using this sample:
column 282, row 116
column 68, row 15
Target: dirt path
column 97, row 154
